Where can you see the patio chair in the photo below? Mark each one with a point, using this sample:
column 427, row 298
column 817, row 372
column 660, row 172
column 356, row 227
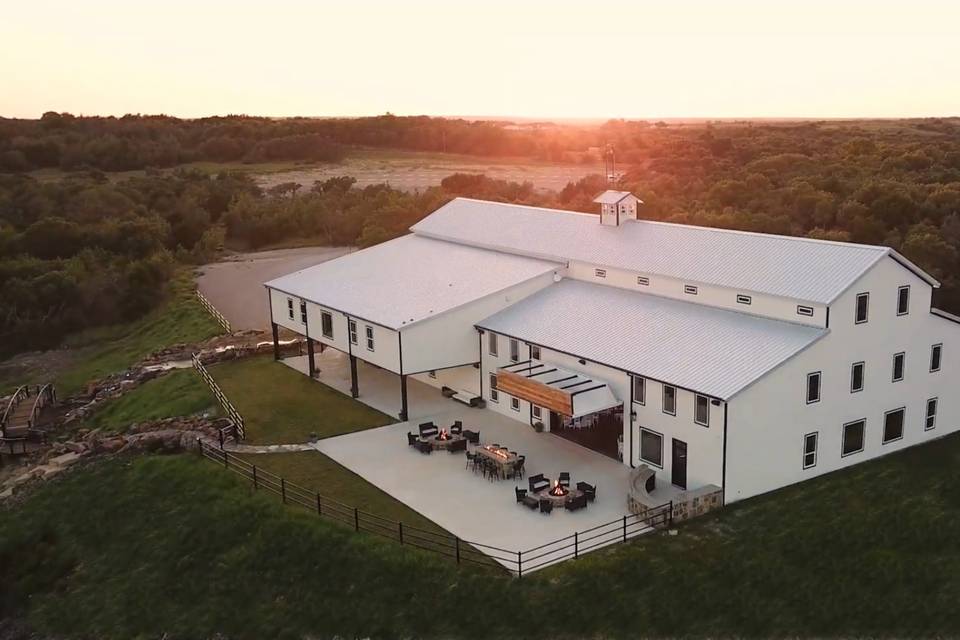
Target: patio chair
column 589, row 490
column 538, row 483
column 577, row 502
column 428, row 430
column 424, row 447
column 530, row 502
column 457, row 428
column 471, row 459
column 521, row 493
column 518, row 467
column 546, row 506
column 564, row 479
column 412, row 439
column 473, row 437
column 457, row 446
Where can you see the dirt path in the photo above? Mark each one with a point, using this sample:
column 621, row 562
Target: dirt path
column 235, row 285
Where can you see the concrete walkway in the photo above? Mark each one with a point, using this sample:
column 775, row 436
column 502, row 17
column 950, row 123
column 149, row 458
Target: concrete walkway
column 234, row 447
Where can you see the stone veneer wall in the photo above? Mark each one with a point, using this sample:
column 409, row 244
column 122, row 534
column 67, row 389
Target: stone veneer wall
column 688, row 504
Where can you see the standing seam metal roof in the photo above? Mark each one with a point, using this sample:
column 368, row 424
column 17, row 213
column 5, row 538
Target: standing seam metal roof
column 799, row 268
column 712, row 351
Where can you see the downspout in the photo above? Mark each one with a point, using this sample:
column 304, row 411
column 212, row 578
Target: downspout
column 723, row 473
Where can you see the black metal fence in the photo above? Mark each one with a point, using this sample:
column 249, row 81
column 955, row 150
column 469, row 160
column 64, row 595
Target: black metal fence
column 518, row 562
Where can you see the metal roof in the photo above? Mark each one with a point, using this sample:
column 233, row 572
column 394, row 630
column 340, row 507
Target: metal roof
column 612, row 197
column 800, row 268
column 408, row 279
column 704, row 349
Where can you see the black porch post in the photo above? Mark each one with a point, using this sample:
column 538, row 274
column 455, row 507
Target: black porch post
column 403, row 397
column 276, row 341
column 310, row 359
column 354, row 387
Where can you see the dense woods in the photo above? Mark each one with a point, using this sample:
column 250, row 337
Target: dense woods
column 91, row 248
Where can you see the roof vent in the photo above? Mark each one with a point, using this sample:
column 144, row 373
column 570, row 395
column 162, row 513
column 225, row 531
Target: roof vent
column 617, row 206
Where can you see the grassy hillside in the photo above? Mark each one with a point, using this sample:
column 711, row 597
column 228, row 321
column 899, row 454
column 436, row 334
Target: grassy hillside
column 179, row 546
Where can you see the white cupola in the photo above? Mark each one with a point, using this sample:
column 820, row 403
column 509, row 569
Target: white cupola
column 617, row 207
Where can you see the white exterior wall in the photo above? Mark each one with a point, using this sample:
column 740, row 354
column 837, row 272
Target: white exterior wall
column 707, row 294
column 768, row 421
column 461, row 378
column 450, row 339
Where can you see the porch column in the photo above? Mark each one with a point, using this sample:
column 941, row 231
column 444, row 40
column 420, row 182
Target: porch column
column 403, row 397
column 312, row 363
column 354, row 388
column 276, row 341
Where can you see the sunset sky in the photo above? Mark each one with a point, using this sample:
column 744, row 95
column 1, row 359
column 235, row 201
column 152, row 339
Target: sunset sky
column 556, row 59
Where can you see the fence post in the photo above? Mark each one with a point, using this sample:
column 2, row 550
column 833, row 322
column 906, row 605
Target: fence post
column 283, row 490
column 226, row 459
column 200, row 446
column 221, row 439
column 356, row 519
column 576, row 546
column 254, row 477
column 519, row 564
column 457, row 541
column 319, row 506
column 624, row 528
column 400, row 530
column 671, row 514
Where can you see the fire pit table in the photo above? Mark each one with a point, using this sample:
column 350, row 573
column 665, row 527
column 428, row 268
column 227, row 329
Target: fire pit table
column 558, row 494
column 501, row 456
column 443, row 440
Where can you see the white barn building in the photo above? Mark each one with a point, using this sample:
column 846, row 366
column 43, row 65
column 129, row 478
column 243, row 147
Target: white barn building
column 741, row 360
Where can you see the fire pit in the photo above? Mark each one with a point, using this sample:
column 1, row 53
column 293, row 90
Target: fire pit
column 558, row 490
column 558, row 494
column 443, row 440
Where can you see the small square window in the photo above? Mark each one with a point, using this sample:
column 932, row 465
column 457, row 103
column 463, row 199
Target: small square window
column 643, row 281
column 493, row 344
column 515, row 404
column 893, row 425
column 600, row 273
column 651, row 447
column 903, row 300
column 935, row 353
column 494, row 394
column 863, row 308
column 639, row 390
column 853, row 437
column 701, row 413
column 669, row 400
column 813, row 387
column 326, row 324
column 810, row 450
column 690, row 289
column 534, row 352
column 898, row 364
column 742, row 299
column 856, row 377
column 804, row 311
column 931, row 417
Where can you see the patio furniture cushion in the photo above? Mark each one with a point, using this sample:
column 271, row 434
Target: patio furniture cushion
column 538, row 483
column 564, row 479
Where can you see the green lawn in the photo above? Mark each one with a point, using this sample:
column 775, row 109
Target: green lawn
column 108, row 350
column 178, row 546
column 178, row 393
column 282, row 406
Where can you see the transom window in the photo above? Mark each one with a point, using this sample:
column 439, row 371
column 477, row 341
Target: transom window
column 494, row 394
column 643, row 281
column 639, row 390
column 600, row 273
column 352, row 330
column 931, row 418
column 493, row 344
column 853, row 437
column 326, row 324
column 651, row 447
column 898, row 360
column 670, row 400
column 856, row 377
column 810, row 450
column 290, row 307
column 701, row 412
column 369, row 331
column 863, row 308
column 935, row 352
column 903, row 300
column 514, row 349
column 813, row 387
column 893, row 425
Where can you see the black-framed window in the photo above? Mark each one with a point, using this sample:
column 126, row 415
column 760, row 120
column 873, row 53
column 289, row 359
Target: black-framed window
column 352, row 330
column 534, row 352
column 853, row 437
column 303, row 312
column 803, row 310
column 856, row 376
column 326, row 324
column 810, row 450
column 600, row 273
column 493, row 344
column 515, row 403
column 494, row 393
column 701, row 410
column 639, row 390
column 930, row 420
column 651, row 447
column 742, row 299
column 290, row 307
column 863, row 308
column 903, row 300
column 690, row 289
column 369, row 333
column 893, row 425
column 669, row 400
column 936, row 353
column 813, row 387
column 899, row 360
column 643, row 281
column 514, row 350
column 537, row 411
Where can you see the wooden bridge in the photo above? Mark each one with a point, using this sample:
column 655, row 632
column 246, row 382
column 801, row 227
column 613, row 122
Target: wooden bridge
column 24, row 416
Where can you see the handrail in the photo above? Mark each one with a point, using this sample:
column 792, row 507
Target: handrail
column 46, row 393
column 22, row 392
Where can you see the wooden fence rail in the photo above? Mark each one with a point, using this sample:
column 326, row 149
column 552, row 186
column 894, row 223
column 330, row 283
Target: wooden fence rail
column 231, row 411
column 212, row 310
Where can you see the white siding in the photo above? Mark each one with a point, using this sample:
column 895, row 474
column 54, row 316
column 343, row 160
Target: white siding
column 767, row 421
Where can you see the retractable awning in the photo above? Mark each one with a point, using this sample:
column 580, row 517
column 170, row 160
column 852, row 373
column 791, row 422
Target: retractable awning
column 566, row 392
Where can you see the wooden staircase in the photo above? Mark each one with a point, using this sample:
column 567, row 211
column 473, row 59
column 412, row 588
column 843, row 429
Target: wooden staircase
column 23, row 418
